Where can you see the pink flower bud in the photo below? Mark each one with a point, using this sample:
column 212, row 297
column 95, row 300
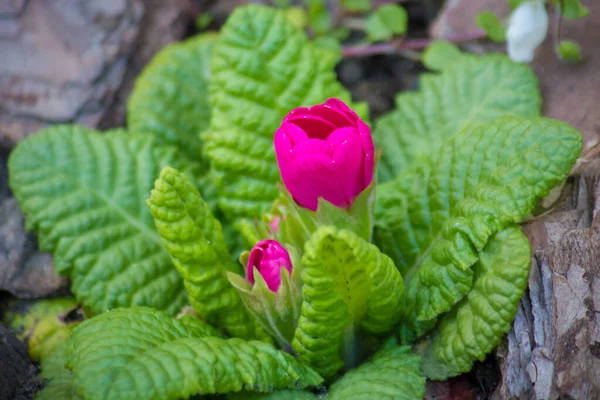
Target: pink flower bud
column 268, row 256
column 275, row 223
column 325, row 151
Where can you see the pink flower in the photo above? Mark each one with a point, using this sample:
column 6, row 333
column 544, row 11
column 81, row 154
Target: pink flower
column 268, row 256
column 324, row 151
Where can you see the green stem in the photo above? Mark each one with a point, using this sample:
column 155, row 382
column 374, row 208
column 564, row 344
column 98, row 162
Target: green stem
column 351, row 353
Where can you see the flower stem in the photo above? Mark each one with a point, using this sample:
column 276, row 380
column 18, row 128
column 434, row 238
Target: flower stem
column 351, row 353
column 399, row 46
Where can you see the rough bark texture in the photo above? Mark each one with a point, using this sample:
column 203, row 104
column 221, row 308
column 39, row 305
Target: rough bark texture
column 18, row 379
column 553, row 349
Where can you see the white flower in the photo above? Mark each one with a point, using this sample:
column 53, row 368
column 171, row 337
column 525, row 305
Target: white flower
column 527, row 29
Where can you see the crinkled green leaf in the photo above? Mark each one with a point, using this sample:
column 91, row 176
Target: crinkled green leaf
column 478, row 322
column 84, row 193
column 276, row 395
column 393, row 374
column 470, row 90
column 170, row 102
column 143, row 354
column 58, row 379
column 195, row 242
column 263, row 67
column 348, row 284
column 54, row 363
column 434, row 218
column 386, row 21
column 493, row 27
column 45, row 325
column 440, row 54
column 170, row 97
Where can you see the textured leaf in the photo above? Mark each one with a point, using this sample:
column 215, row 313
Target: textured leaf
column 276, row 395
column 170, row 102
column 195, row 242
column 143, row 354
column 469, row 90
column 477, row 323
column 84, row 194
column 59, row 380
column 45, row 325
column 170, row 97
column 348, row 284
column 393, row 374
column 435, row 218
column 263, row 67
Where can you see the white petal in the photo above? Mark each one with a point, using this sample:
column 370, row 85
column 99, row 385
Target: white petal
column 527, row 29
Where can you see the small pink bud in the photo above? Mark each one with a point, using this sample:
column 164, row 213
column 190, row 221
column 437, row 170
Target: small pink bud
column 268, row 256
column 274, row 224
column 325, row 151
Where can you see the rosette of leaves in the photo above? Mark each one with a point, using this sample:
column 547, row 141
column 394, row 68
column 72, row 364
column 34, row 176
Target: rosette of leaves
column 448, row 218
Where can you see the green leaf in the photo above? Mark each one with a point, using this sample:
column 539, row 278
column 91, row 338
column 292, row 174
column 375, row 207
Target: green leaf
column 195, row 242
column 318, row 16
column 143, row 354
column 84, row 193
column 358, row 219
column 203, row 21
column 357, row 5
column 263, row 67
column 493, row 27
column 45, row 325
column 385, row 22
column 276, row 395
column 516, row 3
column 477, row 323
column 434, row 218
column 297, row 16
column 393, row 374
column 170, row 102
column 569, row 51
column 440, row 54
column 170, row 97
column 470, row 90
column 572, row 9
column 59, row 380
column 348, row 284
